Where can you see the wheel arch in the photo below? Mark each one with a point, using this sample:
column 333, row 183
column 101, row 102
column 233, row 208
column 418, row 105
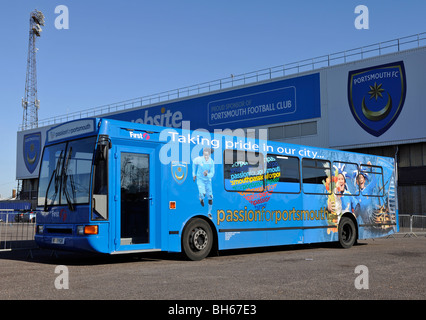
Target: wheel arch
column 215, row 246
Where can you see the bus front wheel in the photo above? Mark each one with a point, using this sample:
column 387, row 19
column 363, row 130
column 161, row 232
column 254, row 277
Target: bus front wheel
column 347, row 233
column 197, row 239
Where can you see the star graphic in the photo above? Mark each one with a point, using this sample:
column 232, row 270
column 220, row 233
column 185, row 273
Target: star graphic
column 376, row 91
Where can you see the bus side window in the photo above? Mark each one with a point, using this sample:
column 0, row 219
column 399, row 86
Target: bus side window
column 243, row 171
column 344, row 175
column 284, row 173
column 316, row 176
column 373, row 180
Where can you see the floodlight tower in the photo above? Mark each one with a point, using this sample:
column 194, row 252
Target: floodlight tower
column 30, row 103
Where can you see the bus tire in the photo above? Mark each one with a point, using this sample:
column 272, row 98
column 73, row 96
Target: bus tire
column 197, row 239
column 347, row 233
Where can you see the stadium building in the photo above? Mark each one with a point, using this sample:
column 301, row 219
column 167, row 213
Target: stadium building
column 367, row 100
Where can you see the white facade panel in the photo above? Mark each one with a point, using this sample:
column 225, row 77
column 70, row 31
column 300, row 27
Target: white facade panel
column 346, row 132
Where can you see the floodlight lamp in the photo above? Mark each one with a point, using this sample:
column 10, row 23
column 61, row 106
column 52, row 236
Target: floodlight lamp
column 38, row 17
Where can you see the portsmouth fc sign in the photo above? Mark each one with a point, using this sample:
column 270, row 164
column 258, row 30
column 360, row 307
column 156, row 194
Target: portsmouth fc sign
column 376, row 96
column 32, row 150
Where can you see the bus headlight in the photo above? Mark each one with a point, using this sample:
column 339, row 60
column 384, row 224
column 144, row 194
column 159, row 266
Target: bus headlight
column 83, row 230
column 80, row 230
column 40, row 229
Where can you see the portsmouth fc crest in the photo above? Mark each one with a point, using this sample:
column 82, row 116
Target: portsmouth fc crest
column 32, row 150
column 179, row 171
column 376, row 96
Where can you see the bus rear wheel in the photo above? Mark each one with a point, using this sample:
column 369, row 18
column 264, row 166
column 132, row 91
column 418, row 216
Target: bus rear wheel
column 197, row 239
column 347, row 233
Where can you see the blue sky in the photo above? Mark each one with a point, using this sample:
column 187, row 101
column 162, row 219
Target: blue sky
column 119, row 50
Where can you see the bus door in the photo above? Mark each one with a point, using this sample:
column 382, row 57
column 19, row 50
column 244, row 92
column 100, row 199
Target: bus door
column 135, row 197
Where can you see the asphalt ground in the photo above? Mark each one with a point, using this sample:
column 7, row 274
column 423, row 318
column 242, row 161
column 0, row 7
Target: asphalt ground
column 380, row 269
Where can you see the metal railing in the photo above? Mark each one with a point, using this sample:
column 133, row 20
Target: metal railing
column 412, row 224
column 391, row 46
column 17, row 230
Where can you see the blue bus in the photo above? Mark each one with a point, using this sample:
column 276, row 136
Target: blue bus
column 113, row 187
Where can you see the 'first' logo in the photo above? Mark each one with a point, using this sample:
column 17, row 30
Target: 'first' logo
column 140, row 135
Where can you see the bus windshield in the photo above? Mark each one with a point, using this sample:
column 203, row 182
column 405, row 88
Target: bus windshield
column 65, row 173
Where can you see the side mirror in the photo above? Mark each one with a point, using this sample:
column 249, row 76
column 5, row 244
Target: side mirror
column 104, row 144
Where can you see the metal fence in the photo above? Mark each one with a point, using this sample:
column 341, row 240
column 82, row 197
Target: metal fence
column 16, row 230
column 412, row 225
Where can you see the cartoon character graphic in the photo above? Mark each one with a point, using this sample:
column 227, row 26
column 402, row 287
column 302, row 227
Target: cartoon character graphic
column 202, row 173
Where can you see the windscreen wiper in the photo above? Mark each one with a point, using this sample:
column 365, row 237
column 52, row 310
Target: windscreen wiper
column 64, row 181
column 54, row 174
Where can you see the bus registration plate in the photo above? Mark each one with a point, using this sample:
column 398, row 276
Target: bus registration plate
column 58, row 240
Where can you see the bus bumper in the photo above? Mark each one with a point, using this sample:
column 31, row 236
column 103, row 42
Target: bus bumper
column 77, row 244
column 73, row 242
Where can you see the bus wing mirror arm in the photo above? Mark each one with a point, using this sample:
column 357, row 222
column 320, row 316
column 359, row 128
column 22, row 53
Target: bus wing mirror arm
column 104, row 144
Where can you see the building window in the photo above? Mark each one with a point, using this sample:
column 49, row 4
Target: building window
column 293, row 130
column 308, row 128
column 275, row 133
